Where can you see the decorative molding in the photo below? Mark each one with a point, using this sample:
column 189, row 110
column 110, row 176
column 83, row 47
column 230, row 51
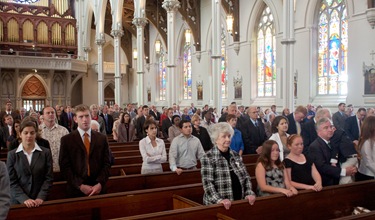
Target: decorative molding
column 370, row 15
column 109, row 68
column 171, row 5
column 236, row 47
column 139, row 22
column 47, row 63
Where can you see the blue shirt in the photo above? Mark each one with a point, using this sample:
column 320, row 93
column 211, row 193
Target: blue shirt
column 237, row 142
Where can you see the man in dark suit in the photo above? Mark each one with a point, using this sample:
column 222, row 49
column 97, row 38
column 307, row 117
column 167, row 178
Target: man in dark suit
column 321, row 154
column 167, row 123
column 339, row 117
column 9, row 111
column 353, row 125
column 309, row 133
column 140, row 122
column 108, row 120
column 84, row 157
column 253, row 132
column 154, row 113
column 6, row 131
column 295, row 119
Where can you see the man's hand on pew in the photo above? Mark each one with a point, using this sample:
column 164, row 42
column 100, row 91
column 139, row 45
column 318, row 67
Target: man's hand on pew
column 38, row 202
column 251, row 199
column 96, row 189
column 86, row 189
column 30, row 203
column 178, row 171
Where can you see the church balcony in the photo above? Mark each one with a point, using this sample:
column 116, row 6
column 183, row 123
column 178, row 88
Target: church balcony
column 39, row 60
column 109, row 68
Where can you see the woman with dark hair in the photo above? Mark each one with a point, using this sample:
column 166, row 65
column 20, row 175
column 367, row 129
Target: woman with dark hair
column 285, row 112
column 152, row 149
column 15, row 132
column 279, row 129
column 270, row 172
column 201, row 133
column 126, row 129
column 174, row 130
column 39, row 140
column 366, row 147
column 237, row 143
column 301, row 170
column 30, row 169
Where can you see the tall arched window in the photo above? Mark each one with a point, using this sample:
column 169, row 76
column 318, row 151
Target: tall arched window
column 333, row 48
column 187, row 72
column 224, row 71
column 162, row 76
column 266, row 55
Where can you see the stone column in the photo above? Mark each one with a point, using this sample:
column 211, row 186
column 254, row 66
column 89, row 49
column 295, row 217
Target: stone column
column 288, row 55
column 117, row 34
column 100, row 41
column 171, row 6
column 140, row 23
column 216, row 54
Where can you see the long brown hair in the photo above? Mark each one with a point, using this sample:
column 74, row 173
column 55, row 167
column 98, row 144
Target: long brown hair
column 265, row 156
column 367, row 131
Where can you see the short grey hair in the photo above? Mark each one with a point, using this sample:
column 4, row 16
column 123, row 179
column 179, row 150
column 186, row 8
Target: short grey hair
column 94, row 122
column 322, row 121
column 220, row 128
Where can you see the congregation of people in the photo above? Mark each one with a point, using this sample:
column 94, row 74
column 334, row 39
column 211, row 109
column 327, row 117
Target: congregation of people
column 306, row 149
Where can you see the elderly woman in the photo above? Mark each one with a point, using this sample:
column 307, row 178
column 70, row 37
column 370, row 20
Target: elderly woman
column 30, row 169
column 224, row 176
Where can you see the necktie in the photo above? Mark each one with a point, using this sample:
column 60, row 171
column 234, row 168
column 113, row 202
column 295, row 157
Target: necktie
column 329, row 145
column 86, row 141
column 256, row 123
column 298, row 126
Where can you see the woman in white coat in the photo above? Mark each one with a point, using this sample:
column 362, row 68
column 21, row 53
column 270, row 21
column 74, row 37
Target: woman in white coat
column 279, row 129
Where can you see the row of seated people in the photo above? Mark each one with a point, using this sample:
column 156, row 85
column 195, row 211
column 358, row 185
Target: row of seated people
column 178, row 167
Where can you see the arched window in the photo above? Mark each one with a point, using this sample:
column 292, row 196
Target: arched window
column 187, row 72
column 224, row 71
column 162, row 75
column 332, row 48
column 266, row 55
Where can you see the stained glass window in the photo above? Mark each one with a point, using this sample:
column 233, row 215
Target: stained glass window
column 162, row 70
column 266, row 55
column 187, row 72
column 224, row 71
column 333, row 48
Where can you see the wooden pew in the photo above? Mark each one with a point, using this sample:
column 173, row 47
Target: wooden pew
column 331, row 202
column 139, row 182
column 114, row 205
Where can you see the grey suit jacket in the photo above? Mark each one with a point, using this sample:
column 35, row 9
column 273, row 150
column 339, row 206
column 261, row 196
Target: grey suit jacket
column 29, row 181
column 4, row 191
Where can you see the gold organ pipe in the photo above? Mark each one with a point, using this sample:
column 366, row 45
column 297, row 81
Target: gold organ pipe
column 1, row 31
column 13, row 31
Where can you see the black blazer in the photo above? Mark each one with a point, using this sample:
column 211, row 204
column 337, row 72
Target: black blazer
column 165, row 126
column 139, row 127
column 30, row 181
column 292, row 128
column 253, row 136
column 108, row 124
column 351, row 128
column 64, row 120
column 309, row 135
column 339, row 120
column 156, row 116
column 73, row 159
column 321, row 155
column 343, row 147
column 204, row 137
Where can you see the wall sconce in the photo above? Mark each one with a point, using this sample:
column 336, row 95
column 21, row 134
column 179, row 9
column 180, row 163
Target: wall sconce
column 188, row 36
column 135, row 53
column 157, row 46
column 229, row 23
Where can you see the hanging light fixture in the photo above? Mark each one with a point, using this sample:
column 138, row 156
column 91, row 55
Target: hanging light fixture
column 188, row 36
column 135, row 53
column 157, row 46
column 229, row 23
